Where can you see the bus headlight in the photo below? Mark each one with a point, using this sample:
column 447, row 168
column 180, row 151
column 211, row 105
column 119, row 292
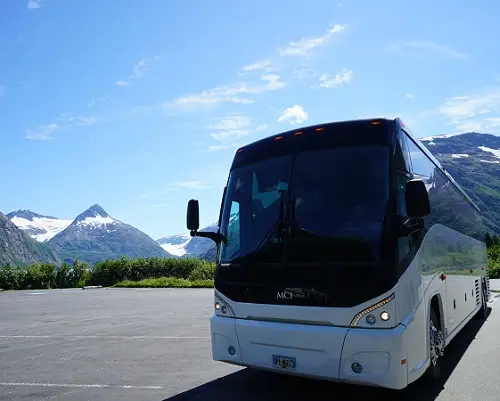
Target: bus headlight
column 368, row 316
column 222, row 308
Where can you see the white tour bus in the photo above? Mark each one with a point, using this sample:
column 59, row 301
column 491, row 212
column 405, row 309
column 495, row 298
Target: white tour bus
column 345, row 252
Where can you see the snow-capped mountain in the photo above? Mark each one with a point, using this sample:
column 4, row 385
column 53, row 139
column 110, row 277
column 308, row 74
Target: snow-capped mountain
column 175, row 244
column 185, row 245
column 484, row 148
column 95, row 236
column 474, row 162
column 39, row 227
column 17, row 248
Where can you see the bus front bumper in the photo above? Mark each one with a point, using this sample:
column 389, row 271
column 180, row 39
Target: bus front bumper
column 358, row 356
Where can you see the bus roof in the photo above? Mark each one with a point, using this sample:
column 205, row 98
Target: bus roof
column 374, row 131
column 369, row 131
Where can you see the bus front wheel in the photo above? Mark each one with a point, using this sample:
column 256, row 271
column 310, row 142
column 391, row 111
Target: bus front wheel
column 436, row 347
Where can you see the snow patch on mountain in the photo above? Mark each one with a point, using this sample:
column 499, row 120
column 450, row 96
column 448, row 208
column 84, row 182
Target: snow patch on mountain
column 459, row 155
column 176, row 250
column 175, row 244
column 432, row 138
column 39, row 227
column 96, row 221
column 495, row 152
column 185, row 245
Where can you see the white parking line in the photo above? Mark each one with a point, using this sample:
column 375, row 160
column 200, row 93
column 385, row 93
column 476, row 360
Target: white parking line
column 74, row 385
column 95, row 336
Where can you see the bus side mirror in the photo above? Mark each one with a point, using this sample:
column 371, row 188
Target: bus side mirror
column 417, row 199
column 193, row 215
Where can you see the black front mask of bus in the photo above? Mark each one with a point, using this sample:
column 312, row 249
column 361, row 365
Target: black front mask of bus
column 312, row 220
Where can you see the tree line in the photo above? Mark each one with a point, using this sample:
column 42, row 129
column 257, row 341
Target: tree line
column 105, row 273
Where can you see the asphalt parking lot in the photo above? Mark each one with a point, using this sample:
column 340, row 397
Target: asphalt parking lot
column 138, row 344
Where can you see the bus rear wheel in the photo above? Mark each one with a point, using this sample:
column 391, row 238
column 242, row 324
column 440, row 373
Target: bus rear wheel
column 436, row 347
column 482, row 314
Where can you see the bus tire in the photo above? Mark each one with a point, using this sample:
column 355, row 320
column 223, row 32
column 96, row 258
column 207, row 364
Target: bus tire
column 436, row 347
column 482, row 314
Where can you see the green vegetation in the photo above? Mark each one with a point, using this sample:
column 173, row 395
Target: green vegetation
column 166, row 282
column 123, row 272
column 146, row 272
column 493, row 244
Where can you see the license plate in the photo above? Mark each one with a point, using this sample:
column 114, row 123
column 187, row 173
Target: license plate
column 284, row 362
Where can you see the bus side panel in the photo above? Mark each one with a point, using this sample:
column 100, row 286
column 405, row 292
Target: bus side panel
column 418, row 284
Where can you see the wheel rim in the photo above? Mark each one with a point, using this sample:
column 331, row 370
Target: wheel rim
column 436, row 344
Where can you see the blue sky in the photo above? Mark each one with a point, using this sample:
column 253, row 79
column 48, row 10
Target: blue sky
column 139, row 106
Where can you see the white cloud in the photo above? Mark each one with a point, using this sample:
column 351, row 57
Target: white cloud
column 259, row 65
column 235, row 93
column 304, row 46
column 233, row 126
column 138, row 70
column 89, row 120
column 230, row 128
column 476, row 111
column 294, row 115
column 34, row 3
column 41, row 133
column 305, row 73
column 65, row 119
column 188, row 185
column 436, row 48
column 410, row 96
column 344, row 77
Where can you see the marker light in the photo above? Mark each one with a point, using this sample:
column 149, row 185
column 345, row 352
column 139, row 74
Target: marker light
column 298, row 133
column 370, row 319
column 356, row 367
column 222, row 308
column 375, row 122
column 319, row 129
column 370, row 309
column 278, row 138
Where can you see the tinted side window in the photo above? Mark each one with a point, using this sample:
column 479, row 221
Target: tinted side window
column 453, row 221
column 405, row 149
column 401, row 154
column 438, row 186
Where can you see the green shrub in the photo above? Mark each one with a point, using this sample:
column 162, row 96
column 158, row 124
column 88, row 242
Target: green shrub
column 108, row 273
column 165, row 282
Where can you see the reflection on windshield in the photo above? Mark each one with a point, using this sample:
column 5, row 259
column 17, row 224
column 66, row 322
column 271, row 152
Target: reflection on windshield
column 252, row 206
column 339, row 197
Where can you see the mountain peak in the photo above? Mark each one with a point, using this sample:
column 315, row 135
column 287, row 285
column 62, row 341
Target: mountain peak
column 95, row 211
column 27, row 215
column 94, row 215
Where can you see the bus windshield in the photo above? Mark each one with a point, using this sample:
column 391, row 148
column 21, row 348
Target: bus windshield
column 325, row 205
